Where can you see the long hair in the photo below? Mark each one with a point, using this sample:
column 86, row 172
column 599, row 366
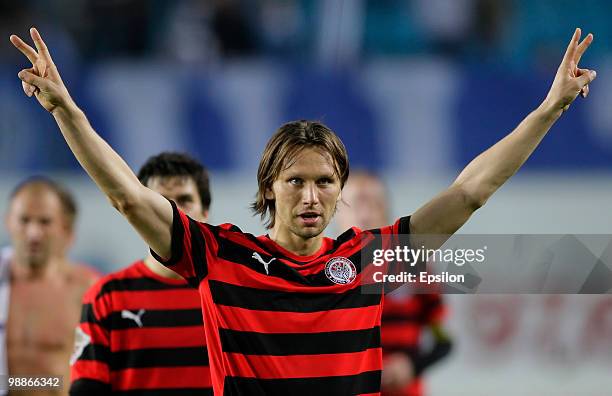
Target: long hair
column 282, row 150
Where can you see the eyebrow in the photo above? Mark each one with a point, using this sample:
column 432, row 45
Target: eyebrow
column 185, row 196
column 291, row 175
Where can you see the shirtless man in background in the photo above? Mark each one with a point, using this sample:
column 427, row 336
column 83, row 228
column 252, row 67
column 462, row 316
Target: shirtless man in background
column 44, row 302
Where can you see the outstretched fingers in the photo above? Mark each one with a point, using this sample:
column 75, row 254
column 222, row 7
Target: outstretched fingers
column 570, row 52
column 582, row 47
column 24, row 48
column 43, row 51
column 41, row 64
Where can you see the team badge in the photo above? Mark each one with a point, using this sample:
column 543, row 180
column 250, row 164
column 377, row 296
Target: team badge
column 340, row 270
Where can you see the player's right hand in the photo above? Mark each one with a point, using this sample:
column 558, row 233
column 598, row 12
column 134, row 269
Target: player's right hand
column 42, row 79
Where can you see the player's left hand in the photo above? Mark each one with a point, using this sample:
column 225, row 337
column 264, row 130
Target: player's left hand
column 397, row 373
column 571, row 80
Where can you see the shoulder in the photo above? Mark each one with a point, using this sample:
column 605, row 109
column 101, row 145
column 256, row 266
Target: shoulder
column 81, row 277
column 400, row 226
column 85, row 274
column 221, row 231
column 97, row 284
column 349, row 234
column 232, row 233
column 225, row 230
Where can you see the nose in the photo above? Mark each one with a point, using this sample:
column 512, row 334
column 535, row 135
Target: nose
column 310, row 195
column 34, row 231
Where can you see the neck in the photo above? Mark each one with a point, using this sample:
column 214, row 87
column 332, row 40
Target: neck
column 22, row 269
column 159, row 268
column 297, row 244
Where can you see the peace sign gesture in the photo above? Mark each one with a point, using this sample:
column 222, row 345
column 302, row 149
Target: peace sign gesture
column 42, row 79
column 571, row 80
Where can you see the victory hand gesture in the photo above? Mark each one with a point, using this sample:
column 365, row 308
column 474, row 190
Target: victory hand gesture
column 571, row 80
column 42, row 79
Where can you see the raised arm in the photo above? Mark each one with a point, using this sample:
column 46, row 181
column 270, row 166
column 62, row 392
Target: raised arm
column 149, row 212
column 449, row 210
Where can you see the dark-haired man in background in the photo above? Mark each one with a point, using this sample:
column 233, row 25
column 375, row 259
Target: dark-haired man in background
column 141, row 328
column 41, row 289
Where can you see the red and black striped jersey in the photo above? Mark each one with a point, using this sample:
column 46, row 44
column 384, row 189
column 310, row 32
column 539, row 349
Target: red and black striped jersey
column 403, row 319
column 140, row 334
column 277, row 323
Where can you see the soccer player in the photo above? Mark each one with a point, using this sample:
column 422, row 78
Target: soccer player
column 405, row 316
column 283, row 312
column 44, row 287
column 141, row 328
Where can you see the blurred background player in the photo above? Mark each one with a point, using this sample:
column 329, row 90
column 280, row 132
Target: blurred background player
column 405, row 316
column 141, row 328
column 44, row 288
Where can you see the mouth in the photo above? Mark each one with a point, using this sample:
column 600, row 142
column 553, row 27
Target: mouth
column 309, row 218
column 34, row 248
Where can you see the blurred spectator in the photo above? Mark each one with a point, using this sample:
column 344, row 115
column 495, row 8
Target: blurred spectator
column 17, row 17
column 492, row 18
column 117, row 28
column 340, row 32
column 187, row 37
column 445, row 24
column 232, row 28
column 13, row 16
column 390, row 28
column 203, row 32
column 284, row 26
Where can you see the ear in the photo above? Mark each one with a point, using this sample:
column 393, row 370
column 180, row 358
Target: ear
column 205, row 215
column 339, row 197
column 269, row 194
column 69, row 228
column 70, row 240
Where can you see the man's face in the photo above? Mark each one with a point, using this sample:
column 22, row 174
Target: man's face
column 38, row 226
column 366, row 204
column 183, row 191
column 305, row 195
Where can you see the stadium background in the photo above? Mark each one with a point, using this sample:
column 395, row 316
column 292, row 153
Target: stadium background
column 414, row 88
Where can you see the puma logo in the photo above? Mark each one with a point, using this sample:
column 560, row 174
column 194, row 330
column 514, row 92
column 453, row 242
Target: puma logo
column 125, row 314
column 257, row 257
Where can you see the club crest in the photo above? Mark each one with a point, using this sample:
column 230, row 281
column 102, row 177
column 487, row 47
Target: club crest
column 340, row 270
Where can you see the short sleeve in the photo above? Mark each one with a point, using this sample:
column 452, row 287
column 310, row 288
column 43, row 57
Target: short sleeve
column 434, row 309
column 400, row 227
column 89, row 363
column 403, row 225
column 191, row 241
column 392, row 236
